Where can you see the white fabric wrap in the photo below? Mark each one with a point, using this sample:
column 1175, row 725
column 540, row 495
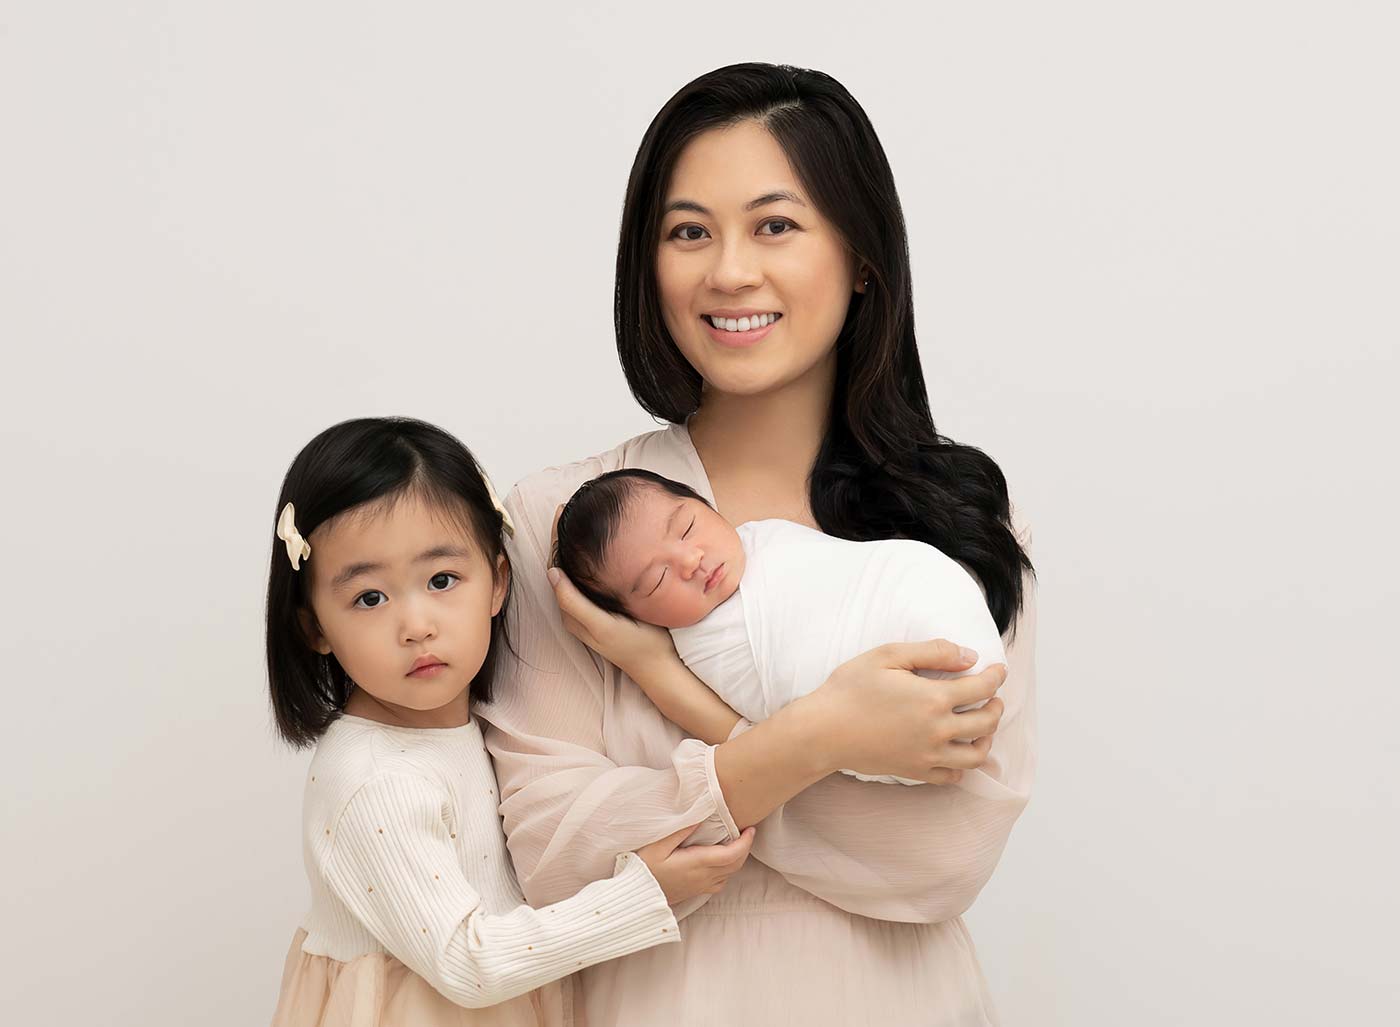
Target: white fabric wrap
column 808, row 602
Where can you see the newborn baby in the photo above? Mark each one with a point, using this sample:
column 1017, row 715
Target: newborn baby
column 762, row 613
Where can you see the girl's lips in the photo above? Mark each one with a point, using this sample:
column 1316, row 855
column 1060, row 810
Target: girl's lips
column 739, row 340
column 427, row 670
column 716, row 576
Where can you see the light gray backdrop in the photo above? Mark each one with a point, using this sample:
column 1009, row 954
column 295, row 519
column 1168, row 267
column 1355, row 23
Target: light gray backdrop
column 1155, row 254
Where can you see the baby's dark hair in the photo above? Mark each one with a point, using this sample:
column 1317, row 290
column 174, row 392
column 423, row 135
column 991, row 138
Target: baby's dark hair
column 589, row 522
column 346, row 466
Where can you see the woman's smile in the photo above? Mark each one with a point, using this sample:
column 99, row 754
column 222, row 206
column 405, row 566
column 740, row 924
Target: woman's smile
column 739, row 332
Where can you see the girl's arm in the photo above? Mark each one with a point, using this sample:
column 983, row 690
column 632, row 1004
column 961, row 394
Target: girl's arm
column 392, row 859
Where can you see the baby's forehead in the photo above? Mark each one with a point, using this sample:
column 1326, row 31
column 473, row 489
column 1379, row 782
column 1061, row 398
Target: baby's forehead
column 645, row 511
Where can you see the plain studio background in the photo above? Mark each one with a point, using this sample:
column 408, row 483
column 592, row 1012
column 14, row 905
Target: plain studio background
column 1155, row 257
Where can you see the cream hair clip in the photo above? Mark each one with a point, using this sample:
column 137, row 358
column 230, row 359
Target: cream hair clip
column 496, row 502
column 298, row 548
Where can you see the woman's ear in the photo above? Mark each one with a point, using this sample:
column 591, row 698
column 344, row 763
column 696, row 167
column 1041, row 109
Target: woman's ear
column 862, row 281
column 311, row 632
column 502, row 582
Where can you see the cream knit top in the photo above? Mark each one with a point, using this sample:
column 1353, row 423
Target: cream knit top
column 405, row 854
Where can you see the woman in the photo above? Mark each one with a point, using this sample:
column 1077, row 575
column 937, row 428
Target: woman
column 761, row 190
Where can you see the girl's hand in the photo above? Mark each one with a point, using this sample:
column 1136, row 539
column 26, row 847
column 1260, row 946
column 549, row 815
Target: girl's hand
column 631, row 645
column 879, row 717
column 698, row 870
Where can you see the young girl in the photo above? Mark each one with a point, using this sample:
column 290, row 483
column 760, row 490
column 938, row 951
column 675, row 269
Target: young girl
column 386, row 608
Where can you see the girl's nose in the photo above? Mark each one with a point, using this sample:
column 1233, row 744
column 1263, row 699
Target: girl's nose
column 418, row 625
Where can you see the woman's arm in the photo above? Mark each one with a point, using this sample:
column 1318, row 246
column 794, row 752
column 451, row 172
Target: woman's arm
column 567, row 805
column 819, row 836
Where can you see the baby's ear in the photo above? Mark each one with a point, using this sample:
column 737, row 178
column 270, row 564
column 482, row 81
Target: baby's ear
column 311, row 632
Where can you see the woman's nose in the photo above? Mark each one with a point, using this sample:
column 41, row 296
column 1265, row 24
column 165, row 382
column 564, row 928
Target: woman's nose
column 736, row 267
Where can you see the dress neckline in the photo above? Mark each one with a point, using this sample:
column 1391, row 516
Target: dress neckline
column 697, row 466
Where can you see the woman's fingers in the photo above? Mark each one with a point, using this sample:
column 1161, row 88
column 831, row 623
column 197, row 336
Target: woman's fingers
column 938, row 654
column 966, row 755
column 975, row 687
column 982, row 721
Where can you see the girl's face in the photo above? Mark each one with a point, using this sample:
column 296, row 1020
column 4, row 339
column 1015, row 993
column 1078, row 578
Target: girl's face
column 403, row 596
column 742, row 247
column 674, row 559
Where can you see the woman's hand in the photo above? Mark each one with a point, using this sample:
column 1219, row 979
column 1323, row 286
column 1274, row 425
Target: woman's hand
column 626, row 643
column 631, row 645
column 698, row 870
column 879, row 717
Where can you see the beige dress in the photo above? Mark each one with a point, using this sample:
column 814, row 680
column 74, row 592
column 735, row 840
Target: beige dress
column 850, row 911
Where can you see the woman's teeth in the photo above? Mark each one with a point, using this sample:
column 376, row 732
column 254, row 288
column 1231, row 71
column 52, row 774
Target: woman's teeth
column 742, row 324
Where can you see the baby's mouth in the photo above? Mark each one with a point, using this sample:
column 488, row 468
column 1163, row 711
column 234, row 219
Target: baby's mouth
column 715, row 577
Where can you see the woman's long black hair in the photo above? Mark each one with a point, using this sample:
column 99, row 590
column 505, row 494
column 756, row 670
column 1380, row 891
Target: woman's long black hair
column 883, row 470
column 347, row 466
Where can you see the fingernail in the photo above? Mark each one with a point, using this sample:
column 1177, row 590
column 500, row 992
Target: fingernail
column 967, row 654
column 553, row 574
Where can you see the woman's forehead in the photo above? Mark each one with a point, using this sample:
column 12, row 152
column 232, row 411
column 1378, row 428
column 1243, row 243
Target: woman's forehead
column 733, row 165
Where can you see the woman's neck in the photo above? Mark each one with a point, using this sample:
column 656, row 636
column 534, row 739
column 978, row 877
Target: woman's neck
column 758, row 451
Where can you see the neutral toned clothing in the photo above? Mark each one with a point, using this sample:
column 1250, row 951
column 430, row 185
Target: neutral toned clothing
column 415, row 909
column 849, row 913
column 808, row 602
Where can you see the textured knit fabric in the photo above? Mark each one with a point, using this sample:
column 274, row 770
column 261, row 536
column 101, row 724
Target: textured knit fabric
column 850, row 912
column 408, row 869
column 808, row 602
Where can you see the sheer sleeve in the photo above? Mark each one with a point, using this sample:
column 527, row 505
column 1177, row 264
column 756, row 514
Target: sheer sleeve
column 917, row 854
column 567, row 807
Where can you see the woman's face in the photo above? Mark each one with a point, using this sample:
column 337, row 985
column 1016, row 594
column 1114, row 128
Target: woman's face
column 754, row 282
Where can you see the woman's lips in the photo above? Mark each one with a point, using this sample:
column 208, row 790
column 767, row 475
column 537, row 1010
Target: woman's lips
column 716, row 576
column 738, row 340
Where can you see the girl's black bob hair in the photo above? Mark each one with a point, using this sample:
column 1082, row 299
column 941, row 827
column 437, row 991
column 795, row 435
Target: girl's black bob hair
column 346, row 466
column 589, row 522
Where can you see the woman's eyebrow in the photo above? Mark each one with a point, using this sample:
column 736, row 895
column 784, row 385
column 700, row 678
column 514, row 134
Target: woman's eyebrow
column 777, row 196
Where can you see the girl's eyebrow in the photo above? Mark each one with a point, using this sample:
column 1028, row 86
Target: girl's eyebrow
column 777, row 196
column 436, row 553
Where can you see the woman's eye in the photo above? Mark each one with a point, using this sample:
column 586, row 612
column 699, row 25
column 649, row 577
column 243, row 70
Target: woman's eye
column 779, row 226
column 442, row 582
column 688, row 233
column 369, row 600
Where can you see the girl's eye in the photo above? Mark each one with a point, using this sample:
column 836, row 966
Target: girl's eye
column 369, row 600
column 780, row 226
column 442, row 582
column 688, row 233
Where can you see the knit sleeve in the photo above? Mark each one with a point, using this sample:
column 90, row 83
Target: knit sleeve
column 394, row 863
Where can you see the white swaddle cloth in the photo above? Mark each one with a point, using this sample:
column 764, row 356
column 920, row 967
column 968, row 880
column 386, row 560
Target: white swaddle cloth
column 809, row 602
